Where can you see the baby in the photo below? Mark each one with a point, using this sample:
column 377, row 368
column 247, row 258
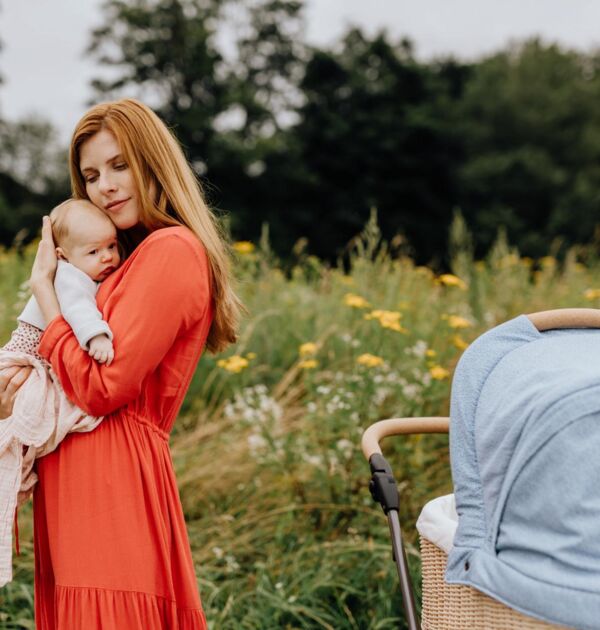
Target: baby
column 88, row 253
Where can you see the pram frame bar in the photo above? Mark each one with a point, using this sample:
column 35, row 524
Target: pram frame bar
column 400, row 426
column 382, row 482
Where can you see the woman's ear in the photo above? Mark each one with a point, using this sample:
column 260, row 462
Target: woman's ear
column 61, row 254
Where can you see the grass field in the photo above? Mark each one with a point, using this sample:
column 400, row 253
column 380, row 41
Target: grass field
column 283, row 531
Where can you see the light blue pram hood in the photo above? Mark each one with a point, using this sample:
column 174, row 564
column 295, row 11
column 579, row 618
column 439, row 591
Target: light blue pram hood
column 525, row 452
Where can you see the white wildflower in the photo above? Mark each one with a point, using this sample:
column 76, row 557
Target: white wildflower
column 219, row 553
column 346, row 447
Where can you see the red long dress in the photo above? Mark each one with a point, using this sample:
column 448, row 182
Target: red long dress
column 111, row 546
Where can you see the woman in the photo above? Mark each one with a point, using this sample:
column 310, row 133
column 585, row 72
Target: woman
column 111, row 547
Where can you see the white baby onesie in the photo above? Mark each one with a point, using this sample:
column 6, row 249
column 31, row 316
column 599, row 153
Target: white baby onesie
column 76, row 293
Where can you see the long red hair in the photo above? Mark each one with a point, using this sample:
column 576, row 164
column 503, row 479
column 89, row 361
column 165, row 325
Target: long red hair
column 158, row 164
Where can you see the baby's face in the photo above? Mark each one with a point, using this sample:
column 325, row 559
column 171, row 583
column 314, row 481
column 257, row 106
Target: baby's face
column 92, row 245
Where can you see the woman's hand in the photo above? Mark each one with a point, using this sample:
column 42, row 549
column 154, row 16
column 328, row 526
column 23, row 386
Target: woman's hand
column 10, row 381
column 44, row 265
column 43, row 272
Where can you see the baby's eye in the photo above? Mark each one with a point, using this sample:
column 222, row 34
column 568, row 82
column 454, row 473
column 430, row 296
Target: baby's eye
column 112, row 246
column 94, row 251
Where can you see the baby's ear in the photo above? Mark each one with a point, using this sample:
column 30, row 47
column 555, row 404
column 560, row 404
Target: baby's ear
column 60, row 253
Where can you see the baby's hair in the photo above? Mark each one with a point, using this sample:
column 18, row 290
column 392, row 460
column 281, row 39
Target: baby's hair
column 59, row 217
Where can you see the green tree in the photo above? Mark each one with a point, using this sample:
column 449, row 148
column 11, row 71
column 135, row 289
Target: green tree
column 531, row 130
column 373, row 132
column 225, row 111
column 32, row 155
column 32, row 176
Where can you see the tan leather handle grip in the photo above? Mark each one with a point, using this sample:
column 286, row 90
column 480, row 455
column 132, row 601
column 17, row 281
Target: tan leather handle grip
column 566, row 318
column 400, row 426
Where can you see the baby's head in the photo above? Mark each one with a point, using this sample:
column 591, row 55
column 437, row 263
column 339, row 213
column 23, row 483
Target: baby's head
column 86, row 238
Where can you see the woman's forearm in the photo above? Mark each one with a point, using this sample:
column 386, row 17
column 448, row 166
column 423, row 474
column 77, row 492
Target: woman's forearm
column 46, row 298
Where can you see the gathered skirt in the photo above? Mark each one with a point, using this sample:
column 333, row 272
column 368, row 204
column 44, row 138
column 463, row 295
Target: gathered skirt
column 111, row 545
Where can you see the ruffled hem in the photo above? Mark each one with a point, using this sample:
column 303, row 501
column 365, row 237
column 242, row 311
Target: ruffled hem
column 80, row 608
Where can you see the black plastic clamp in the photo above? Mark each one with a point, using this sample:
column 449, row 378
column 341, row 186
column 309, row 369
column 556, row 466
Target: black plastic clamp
column 383, row 485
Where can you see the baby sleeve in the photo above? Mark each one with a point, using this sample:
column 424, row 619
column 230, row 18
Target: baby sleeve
column 163, row 291
column 76, row 293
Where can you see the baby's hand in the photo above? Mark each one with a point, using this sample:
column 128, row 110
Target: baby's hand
column 101, row 349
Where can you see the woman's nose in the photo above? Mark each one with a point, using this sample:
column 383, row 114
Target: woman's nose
column 106, row 184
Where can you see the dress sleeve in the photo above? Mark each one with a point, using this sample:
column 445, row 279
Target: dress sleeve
column 165, row 289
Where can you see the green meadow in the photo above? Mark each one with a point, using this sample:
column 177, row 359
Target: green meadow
column 274, row 486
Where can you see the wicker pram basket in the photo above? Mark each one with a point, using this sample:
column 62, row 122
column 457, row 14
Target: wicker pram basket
column 444, row 606
column 457, row 607
column 449, row 606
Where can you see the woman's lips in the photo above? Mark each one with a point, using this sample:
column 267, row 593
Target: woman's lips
column 113, row 207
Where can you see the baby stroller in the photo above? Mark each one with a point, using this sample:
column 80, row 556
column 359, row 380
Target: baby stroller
column 524, row 540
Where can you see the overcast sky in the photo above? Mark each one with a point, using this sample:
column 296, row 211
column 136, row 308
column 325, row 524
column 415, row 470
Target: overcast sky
column 45, row 72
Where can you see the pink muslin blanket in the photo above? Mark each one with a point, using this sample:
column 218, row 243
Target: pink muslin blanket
column 42, row 416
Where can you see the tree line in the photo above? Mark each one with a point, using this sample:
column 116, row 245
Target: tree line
column 310, row 139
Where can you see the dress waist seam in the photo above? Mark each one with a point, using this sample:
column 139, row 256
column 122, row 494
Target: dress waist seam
column 146, row 423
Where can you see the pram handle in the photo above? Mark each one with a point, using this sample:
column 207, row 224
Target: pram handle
column 400, row 426
column 566, row 318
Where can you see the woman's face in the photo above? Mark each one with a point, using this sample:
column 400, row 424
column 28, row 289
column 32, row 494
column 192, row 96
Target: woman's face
column 108, row 179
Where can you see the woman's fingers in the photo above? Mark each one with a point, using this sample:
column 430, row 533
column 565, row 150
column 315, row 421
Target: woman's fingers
column 18, row 379
column 5, row 375
column 11, row 380
column 47, row 230
column 44, row 265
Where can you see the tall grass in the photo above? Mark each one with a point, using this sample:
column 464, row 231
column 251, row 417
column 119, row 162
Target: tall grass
column 283, row 531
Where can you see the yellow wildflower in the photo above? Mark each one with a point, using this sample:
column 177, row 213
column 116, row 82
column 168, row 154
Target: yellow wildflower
column 233, row 364
column 308, row 348
column 547, row 262
column 388, row 319
column 355, row 301
column 243, row 247
column 450, row 280
column 370, row 360
column 459, row 342
column 308, row 364
column 424, row 271
column 251, row 355
column 510, row 260
column 439, row 373
column 592, row 294
column 456, row 321
column 430, row 353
